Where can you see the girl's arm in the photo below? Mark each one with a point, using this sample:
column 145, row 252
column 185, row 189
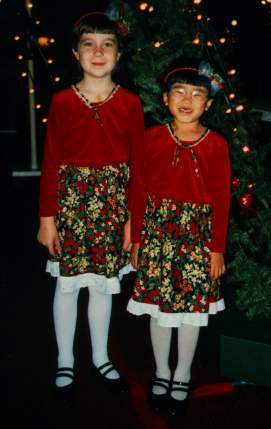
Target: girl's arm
column 217, row 265
column 47, row 235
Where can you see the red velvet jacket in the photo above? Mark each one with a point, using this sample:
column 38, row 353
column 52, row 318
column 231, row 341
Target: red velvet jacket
column 75, row 137
column 156, row 176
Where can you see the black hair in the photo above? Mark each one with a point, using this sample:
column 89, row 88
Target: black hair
column 185, row 71
column 95, row 22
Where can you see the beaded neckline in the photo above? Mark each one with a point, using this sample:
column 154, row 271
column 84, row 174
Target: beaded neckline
column 94, row 107
column 99, row 103
column 180, row 146
column 186, row 145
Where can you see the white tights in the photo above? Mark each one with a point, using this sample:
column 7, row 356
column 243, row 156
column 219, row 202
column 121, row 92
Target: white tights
column 187, row 343
column 65, row 319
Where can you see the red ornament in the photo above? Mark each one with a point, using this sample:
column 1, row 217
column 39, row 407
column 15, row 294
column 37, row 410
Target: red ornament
column 246, row 200
column 235, row 182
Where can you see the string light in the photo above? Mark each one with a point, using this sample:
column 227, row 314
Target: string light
column 38, row 106
column 197, row 1
column 50, row 61
column 234, row 22
column 143, row 6
column 57, row 79
column 246, row 149
column 222, row 40
column 231, row 72
column 20, row 57
column 43, row 41
column 24, row 74
column 17, row 37
column 44, row 120
column 196, row 41
column 151, row 9
column 239, row 108
column 228, row 110
column 209, row 43
column 232, row 96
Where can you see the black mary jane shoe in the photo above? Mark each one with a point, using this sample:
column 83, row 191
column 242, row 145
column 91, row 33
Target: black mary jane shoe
column 115, row 385
column 65, row 394
column 159, row 403
column 178, row 407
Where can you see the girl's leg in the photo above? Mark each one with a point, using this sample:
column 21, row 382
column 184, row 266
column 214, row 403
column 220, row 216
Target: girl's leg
column 187, row 342
column 65, row 318
column 161, row 341
column 99, row 315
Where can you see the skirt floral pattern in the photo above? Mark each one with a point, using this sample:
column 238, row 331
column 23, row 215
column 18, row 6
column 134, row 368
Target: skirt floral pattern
column 174, row 258
column 92, row 214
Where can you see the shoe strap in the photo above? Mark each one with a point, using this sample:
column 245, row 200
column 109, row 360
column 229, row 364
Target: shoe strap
column 180, row 386
column 111, row 368
column 62, row 372
column 162, row 382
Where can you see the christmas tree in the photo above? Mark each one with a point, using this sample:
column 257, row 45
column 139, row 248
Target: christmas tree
column 161, row 31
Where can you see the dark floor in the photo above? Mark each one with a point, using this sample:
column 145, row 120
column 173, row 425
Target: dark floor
column 28, row 350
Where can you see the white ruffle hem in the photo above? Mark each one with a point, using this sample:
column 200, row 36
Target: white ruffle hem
column 102, row 284
column 174, row 320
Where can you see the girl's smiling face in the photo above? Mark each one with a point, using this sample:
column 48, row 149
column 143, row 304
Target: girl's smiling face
column 97, row 54
column 186, row 102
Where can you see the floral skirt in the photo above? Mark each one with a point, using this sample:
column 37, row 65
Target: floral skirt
column 92, row 213
column 173, row 280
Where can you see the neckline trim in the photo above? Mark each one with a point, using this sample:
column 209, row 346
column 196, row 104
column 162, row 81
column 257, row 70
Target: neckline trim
column 187, row 145
column 94, row 106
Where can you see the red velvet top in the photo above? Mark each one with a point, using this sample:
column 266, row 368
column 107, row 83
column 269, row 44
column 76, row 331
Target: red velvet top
column 76, row 136
column 156, row 176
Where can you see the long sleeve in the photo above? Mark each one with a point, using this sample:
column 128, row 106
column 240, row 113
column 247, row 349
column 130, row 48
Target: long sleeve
column 51, row 162
column 220, row 182
column 140, row 192
column 136, row 136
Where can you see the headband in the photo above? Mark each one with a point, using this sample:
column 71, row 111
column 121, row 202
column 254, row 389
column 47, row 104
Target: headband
column 112, row 15
column 205, row 69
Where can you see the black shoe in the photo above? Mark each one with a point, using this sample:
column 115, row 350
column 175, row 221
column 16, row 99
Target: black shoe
column 159, row 403
column 65, row 394
column 178, row 407
column 115, row 385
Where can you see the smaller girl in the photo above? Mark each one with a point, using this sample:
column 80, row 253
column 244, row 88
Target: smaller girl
column 179, row 226
column 94, row 129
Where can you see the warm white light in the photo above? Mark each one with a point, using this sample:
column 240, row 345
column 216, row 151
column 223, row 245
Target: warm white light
column 143, row 6
column 232, row 96
column 234, row 22
column 228, row 111
column 196, row 41
column 222, row 40
column 50, row 61
column 44, row 120
column 231, row 72
column 38, row 106
column 57, row 79
column 157, row 44
column 239, row 108
column 246, row 149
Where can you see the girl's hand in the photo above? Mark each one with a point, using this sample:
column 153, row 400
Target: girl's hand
column 48, row 237
column 126, row 245
column 217, row 265
column 134, row 255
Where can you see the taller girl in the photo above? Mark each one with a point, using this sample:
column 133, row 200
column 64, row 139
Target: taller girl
column 94, row 130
